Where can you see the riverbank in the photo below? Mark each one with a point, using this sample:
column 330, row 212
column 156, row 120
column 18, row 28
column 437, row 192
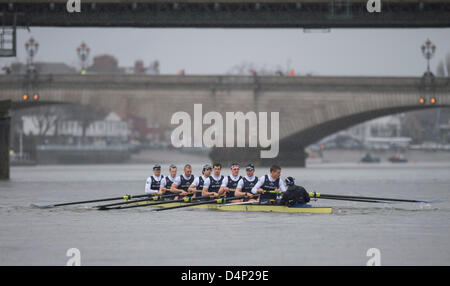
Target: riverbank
column 168, row 156
column 165, row 156
column 352, row 156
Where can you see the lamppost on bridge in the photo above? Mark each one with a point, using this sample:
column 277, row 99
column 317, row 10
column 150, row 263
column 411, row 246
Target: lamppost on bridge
column 428, row 82
column 31, row 46
column 428, row 50
column 83, row 54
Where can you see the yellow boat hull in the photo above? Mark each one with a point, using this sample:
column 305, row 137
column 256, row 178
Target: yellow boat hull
column 252, row 208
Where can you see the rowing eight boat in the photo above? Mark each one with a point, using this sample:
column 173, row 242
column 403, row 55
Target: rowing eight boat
column 246, row 207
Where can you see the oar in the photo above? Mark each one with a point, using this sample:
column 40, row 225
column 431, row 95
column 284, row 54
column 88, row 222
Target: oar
column 218, row 201
column 317, row 195
column 355, row 200
column 154, row 198
column 186, row 199
column 242, row 203
column 126, row 197
column 328, row 196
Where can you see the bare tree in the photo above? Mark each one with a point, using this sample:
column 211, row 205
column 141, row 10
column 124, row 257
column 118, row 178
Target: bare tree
column 62, row 114
column 85, row 116
column 43, row 118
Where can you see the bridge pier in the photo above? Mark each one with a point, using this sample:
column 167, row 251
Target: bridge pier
column 287, row 157
column 4, row 138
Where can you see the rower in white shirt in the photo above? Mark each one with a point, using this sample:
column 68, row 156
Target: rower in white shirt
column 182, row 182
column 166, row 182
column 246, row 184
column 154, row 181
column 215, row 181
column 230, row 182
column 202, row 182
column 270, row 182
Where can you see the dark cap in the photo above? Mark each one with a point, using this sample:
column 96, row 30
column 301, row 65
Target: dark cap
column 250, row 167
column 157, row 167
column 207, row 166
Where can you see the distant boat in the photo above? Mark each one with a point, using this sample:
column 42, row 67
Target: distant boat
column 369, row 159
column 398, row 158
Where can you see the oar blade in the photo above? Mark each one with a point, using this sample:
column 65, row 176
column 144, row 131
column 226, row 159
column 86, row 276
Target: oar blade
column 432, row 202
column 42, row 207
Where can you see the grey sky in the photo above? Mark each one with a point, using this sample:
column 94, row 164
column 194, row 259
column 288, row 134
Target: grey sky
column 378, row 52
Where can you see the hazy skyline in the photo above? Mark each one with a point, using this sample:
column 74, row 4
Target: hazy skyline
column 365, row 52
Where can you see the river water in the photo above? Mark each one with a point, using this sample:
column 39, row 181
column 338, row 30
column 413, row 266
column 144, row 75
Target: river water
column 404, row 233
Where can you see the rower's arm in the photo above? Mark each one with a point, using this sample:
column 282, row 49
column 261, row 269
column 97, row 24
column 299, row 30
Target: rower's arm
column 162, row 190
column 223, row 188
column 205, row 193
column 192, row 188
column 175, row 189
column 238, row 192
column 162, row 187
column 147, row 186
column 148, row 189
column 258, row 185
column 205, row 189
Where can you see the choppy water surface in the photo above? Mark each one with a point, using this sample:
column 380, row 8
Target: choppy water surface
column 405, row 234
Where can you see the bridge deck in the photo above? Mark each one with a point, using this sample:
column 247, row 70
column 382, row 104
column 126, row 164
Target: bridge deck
column 230, row 13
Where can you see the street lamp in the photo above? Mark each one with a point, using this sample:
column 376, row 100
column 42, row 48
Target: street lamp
column 31, row 46
column 428, row 50
column 83, row 54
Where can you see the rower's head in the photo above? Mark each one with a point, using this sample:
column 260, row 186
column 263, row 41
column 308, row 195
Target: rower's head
column 217, row 167
column 206, row 171
column 235, row 169
column 250, row 170
column 289, row 181
column 187, row 170
column 275, row 171
column 157, row 170
column 173, row 170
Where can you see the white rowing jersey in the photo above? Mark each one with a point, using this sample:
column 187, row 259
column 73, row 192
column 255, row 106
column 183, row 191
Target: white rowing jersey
column 177, row 180
column 261, row 182
column 164, row 182
column 152, row 184
column 241, row 181
column 206, row 181
column 234, row 179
